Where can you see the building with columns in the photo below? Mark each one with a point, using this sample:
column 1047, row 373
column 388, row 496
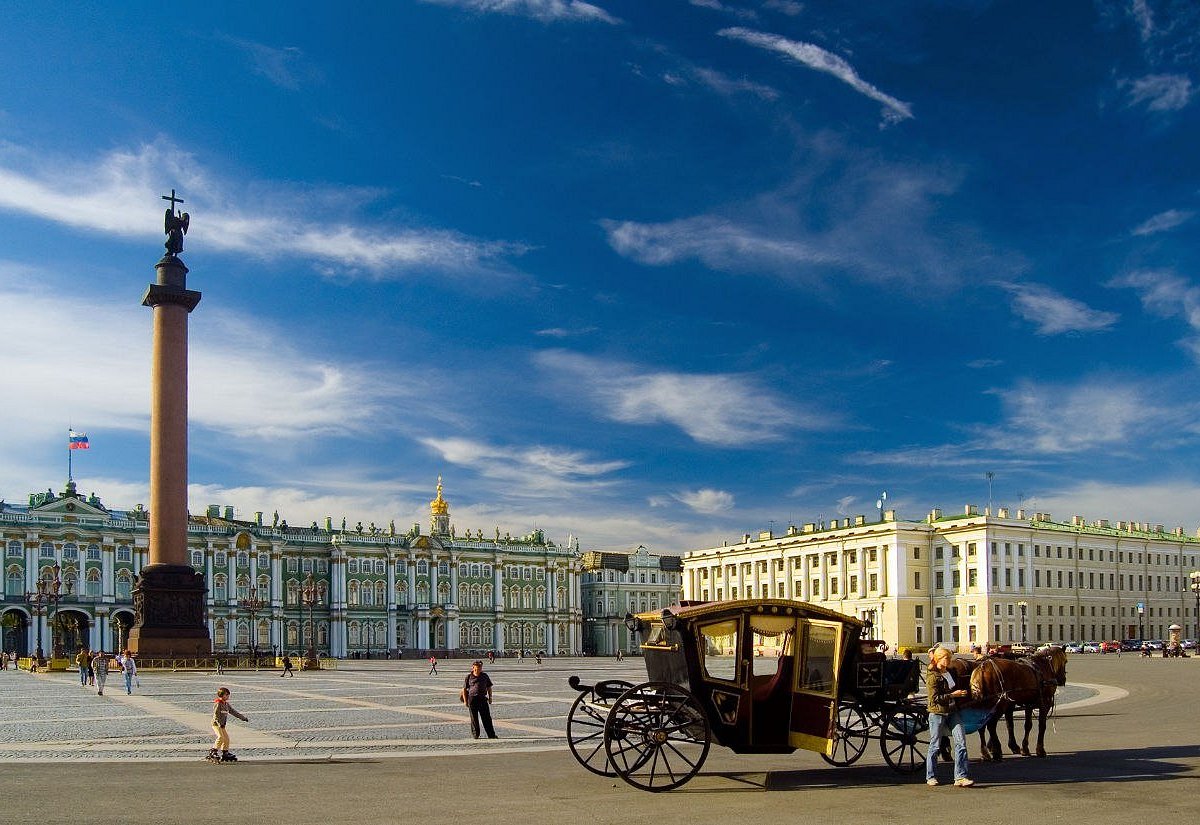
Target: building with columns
column 618, row 583
column 972, row 578
column 376, row 589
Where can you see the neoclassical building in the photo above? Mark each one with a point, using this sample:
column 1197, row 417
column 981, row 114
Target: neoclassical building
column 369, row 589
column 972, row 578
column 614, row 584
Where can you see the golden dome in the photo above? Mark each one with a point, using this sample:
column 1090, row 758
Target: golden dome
column 439, row 506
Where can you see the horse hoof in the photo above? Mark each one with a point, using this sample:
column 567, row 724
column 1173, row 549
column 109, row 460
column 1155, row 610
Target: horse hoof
column 1025, row 752
column 1041, row 754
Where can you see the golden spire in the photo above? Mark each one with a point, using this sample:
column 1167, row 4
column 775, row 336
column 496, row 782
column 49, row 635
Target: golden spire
column 439, row 506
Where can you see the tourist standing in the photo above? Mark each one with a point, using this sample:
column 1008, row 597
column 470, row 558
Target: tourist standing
column 943, row 714
column 100, row 671
column 129, row 669
column 221, row 713
column 476, row 694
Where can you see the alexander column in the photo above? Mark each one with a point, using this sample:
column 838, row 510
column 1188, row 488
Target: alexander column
column 169, row 596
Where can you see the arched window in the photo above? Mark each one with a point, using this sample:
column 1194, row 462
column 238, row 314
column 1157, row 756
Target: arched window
column 293, row 591
column 14, row 581
column 380, row 567
column 15, row 550
column 560, row 597
column 422, row 568
column 368, row 594
column 198, row 559
column 220, row 586
column 444, row 568
column 293, row 634
column 93, row 552
column 352, row 567
column 243, row 633
column 124, row 585
column 541, row 598
column 423, row 593
column 70, row 551
column 354, row 634
column 243, row 559
column 322, row 593
column 220, row 637
column 401, row 593
column 464, row 595
column 527, row 598
column 243, row 586
column 487, row 595
column 443, row 592
column 381, row 593
column 352, row 593
column 264, row 587
column 93, row 582
column 46, row 551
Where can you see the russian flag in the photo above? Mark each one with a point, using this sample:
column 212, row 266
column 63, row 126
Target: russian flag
column 77, row 441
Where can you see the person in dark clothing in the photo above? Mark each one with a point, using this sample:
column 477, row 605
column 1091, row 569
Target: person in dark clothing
column 476, row 694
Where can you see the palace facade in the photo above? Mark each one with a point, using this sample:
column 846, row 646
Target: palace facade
column 614, row 584
column 348, row 592
column 974, row 578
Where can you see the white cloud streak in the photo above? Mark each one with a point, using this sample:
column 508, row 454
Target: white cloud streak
column 1163, row 222
column 1054, row 313
column 528, row 470
column 712, row 409
column 818, row 59
column 1161, row 92
column 1167, row 295
column 546, row 11
column 116, row 195
column 706, row 500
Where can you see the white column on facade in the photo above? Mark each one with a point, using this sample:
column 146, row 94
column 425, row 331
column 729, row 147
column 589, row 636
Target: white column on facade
column 411, row 575
column 108, row 579
column 392, row 614
column 433, row 579
column 453, row 580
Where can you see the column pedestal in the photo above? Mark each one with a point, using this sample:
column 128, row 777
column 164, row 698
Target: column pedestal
column 169, row 602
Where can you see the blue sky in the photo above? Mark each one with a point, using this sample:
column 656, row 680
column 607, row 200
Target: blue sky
column 657, row 272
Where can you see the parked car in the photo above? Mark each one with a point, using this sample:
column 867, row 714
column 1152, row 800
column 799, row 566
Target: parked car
column 1189, row 644
column 1091, row 647
column 1023, row 648
column 1111, row 646
column 1073, row 647
column 1133, row 645
column 1156, row 644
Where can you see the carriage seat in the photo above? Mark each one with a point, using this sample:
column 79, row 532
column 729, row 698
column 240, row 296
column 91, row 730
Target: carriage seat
column 781, row 681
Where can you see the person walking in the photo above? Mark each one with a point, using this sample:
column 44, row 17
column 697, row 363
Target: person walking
column 476, row 694
column 943, row 714
column 84, row 659
column 129, row 670
column 287, row 668
column 222, row 710
column 100, row 671
column 433, row 665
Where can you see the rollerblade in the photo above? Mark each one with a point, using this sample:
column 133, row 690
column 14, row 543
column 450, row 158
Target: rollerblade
column 213, row 755
column 226, row 756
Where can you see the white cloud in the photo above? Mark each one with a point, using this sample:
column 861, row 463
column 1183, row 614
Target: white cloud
column 1171, row 503
column 1054, row 313
column 722, row 410
column 706, row 500
column 719, row 243
column 1168, row 295
column 528, row 470
column 285, row 67
column 1160, row 92
column 818, row 59
column 791, row 8
column 725, row 85
column 547, row 11
column 118, row 196
column 1163, row 222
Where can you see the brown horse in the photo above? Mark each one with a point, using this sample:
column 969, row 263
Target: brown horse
column 961, row 670
column 1028, row 683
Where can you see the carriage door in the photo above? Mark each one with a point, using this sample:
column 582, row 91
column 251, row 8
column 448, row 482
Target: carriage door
column 772, row 678
column 814, row 705
column 724, row 678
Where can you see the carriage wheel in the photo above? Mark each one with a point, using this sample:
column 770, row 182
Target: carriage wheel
column 585, row 732
column 656, row 736
column 904, row 739
column 853, row 733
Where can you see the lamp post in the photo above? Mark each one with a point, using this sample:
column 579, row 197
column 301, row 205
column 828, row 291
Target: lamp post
column 46, row 592
column 1024, row 605
column 55, row 596
column 121, row 626
column 1141, row 607
column 1195, row 579
column 308, row 597
column 368, row 631
column 253, row 605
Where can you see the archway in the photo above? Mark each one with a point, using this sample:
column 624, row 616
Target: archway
column 14, row 631
column 73, row 628
column 121, row 622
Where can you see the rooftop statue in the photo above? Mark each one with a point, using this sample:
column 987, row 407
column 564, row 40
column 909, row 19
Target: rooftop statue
column 175, row 225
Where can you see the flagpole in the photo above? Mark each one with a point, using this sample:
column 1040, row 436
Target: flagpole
column 69, row 451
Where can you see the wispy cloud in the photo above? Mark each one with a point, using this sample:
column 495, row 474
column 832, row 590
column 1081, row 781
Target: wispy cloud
column 561, row 332
column 724, row 85
column 547, row 11
column 528, row 470
column 117, row 195
column 711, row 409
column 726, row 8
column 1167, row 295
column 818, row 59
column 285, row 67
column 791, row 8
column 1163, row 222
column 1054, row 313
column 1160, row 92
column 706, row 500
column 718, row 242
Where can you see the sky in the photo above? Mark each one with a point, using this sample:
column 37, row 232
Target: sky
column 649, row 272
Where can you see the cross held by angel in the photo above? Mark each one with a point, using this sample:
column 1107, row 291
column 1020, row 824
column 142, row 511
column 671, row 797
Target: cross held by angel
column 175, row 225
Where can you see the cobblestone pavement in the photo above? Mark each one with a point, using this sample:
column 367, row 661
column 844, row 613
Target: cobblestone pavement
column 364, row 708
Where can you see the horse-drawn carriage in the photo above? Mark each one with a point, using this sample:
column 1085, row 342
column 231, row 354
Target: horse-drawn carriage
column 755, row 675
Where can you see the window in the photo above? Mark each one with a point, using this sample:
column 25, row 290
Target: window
column 820, row 650
column 873, row 582
column 243, row 559
column 917, row 580
column 293, row 564
column 15, row 551
column 939, row 580
column 219, row 559
column 124, row 585
column 124, row 553
column 718, row 644
column 197, row 559
column 264, row 561
column 352, row 566
column 919, row 611
column 93, row 581
column 46, row 551
column 70, row 551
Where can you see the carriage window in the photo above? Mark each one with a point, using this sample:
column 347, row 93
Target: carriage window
column 771, row 638
column 820, row 650
column 718, row 646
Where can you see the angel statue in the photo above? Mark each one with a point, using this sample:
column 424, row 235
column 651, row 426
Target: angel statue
column 176, row 226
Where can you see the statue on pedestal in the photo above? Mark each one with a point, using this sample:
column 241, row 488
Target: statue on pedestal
column 175, row 225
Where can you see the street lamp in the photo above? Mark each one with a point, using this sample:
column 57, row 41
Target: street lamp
column 122, row 626
column 253, row 605
column 55, row 596
column 309, row 595
column 368, row 631
column 1024, row 605
column 47, row 592
column 1195, row 579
